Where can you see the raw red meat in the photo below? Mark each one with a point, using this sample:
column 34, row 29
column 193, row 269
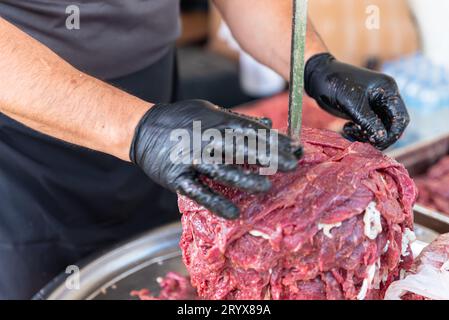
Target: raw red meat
column 276, row 108
column 434, row 187
column 428, row 277
column 173, row 287
column 436, row 254
column 315, row 235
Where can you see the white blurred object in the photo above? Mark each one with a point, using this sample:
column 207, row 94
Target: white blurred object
column 429, row 275
column 256, row 79
column 417, row 247
column 429, row 282
column 434, row 27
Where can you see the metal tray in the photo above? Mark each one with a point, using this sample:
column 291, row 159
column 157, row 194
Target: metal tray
column 418, row 159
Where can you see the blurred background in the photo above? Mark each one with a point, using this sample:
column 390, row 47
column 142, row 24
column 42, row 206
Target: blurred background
column 407, row 39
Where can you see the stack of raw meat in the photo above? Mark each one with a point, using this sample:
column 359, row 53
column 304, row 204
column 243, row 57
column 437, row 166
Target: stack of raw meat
column 339, row 227
column 434, row 187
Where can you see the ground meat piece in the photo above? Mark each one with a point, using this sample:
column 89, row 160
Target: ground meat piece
column 428, row 278
column 434, row 187
column 276, row 108
column 173, row 287
column 412, row 296
column 337, row 228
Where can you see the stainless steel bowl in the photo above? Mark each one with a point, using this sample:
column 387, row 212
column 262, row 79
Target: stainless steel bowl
column 133, row 265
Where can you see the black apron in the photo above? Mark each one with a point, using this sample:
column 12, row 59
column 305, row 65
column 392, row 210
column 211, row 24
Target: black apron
column 60, row 202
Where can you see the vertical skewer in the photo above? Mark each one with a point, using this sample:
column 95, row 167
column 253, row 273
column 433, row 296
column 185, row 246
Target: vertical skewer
column 297, row 67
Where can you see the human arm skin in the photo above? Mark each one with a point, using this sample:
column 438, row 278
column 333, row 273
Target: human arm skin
column 42, row 91
column 263, row 28
column 370, row 100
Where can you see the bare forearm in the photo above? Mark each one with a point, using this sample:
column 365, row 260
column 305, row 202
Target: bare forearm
column 263, row 28
column 45, row 93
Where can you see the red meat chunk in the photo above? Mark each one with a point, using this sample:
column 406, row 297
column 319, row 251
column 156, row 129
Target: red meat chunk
column 336, row 228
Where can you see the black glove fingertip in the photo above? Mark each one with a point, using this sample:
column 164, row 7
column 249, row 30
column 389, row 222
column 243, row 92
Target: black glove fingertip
column 355, row 133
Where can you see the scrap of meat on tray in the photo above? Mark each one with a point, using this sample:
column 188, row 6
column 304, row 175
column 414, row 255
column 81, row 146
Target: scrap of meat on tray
column 434, row 187
column 339, row 227
column 276, row 108
column 428, row 279
column 172, row 287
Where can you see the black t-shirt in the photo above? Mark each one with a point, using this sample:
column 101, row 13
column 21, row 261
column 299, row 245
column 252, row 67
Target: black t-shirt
column 107, row 39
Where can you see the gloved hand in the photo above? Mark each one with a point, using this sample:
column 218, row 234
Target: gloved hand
column 371, row 100
column 152, row 146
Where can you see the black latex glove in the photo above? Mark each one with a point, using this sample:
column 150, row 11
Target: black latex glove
column 369, row 99
column 151, row 149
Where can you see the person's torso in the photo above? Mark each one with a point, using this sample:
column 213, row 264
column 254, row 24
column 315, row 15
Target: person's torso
column 107, row 39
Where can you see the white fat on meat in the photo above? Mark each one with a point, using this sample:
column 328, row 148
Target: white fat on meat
column 385, row 250
column 327, row 228
column 407, row 238
column 372, row 221
column 445, row 266
column 367, row 282
column 259, row 234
